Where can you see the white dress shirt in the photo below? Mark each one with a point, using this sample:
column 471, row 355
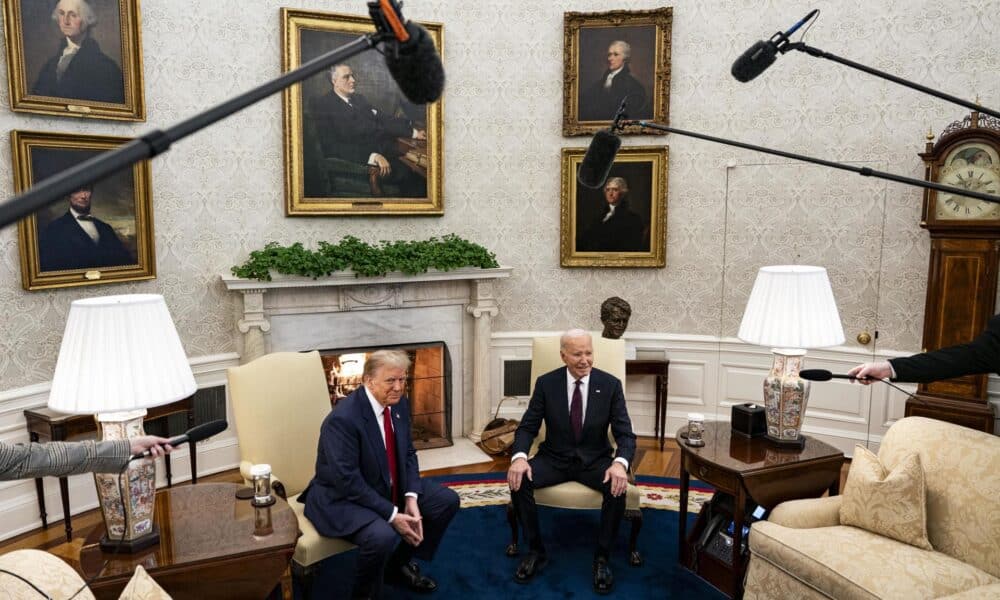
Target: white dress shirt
column 379, row 411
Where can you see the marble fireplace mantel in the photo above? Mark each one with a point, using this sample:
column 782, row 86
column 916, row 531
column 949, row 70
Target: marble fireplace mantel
column 294, row 313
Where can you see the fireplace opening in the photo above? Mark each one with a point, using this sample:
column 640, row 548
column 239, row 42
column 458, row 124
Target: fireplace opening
column 428, row 386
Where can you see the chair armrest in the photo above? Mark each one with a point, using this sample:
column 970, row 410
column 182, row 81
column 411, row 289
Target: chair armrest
column 245, row 471
column 807, row 514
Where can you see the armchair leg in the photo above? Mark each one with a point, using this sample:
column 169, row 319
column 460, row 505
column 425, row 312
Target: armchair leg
column 635, row 517
column 512, row 521
column 306, row 576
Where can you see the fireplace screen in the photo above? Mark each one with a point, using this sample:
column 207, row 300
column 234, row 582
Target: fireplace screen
column 428, row 386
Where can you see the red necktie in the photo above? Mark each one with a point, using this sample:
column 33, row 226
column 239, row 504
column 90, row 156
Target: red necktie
column 390, row 452
column 576, row 411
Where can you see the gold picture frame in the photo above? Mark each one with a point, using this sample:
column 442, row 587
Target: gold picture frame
column 102, row 80
column 641, row 68
column 330, row 142
column 56, row 246
column 635, row 233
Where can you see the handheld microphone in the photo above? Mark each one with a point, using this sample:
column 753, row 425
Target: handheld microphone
column 824, row 375
column 410, row 54
column 761, row 55
column 193, row 435
column 596, row 164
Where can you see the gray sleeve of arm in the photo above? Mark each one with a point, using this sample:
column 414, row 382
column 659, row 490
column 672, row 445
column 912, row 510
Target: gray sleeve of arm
column 56, row 459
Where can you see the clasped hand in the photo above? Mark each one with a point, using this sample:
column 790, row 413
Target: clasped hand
column 409, row 524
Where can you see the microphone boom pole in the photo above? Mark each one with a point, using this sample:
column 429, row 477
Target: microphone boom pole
column 811, row 51
column 156, row 142
column 864, row 171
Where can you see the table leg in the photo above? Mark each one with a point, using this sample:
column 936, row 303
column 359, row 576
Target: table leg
column 657, row 430
column 739, row 510
column 67, row 519
column 192, row 450
column 661, row 399
column 166, row 464
column 40, row 489
column 682, row 545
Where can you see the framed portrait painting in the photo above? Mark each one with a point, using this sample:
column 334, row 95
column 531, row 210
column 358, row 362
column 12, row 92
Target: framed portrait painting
column 77, row 58
column 623, row 224
column 613, row 56
column 354, row 145
column 100, row 233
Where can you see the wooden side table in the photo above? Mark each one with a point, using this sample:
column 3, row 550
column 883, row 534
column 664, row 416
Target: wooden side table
column 212, row 546
column 751, row 470
column 660, row 368
column 45, row 425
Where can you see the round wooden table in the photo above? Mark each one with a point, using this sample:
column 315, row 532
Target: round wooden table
column 212, row 546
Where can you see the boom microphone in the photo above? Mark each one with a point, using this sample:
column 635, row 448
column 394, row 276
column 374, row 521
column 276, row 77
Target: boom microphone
column 410, row 54
column 824, row 375
column 193, row 435
column 596, row 164
column 761, row 55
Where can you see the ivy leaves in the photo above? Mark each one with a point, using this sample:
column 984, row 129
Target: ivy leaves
column 366, row 260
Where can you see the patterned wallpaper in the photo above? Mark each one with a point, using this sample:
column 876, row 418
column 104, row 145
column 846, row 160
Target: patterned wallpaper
column 218, row 194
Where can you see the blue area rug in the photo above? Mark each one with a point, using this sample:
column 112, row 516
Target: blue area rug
column 471, row 561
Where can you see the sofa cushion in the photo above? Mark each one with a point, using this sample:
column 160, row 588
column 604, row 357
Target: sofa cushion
column 889, row 503
column 853, row 564
column 143, row 586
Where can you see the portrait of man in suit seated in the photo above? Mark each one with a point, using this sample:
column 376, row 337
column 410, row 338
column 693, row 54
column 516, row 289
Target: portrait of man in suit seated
column 367, row 488
column 79, row 240
column 351, row 128
column 79, row 69
column 578, row 405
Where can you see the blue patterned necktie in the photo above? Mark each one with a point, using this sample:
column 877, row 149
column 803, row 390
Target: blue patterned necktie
column 576, row 411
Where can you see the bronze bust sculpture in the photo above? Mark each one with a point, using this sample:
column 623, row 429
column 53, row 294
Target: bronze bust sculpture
column 615, row 314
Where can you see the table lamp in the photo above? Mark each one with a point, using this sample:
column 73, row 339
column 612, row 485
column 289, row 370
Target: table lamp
column 791, row 308
column 119, row 356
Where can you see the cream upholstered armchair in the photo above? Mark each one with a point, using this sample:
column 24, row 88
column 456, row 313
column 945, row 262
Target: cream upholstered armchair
column 609, row 356
column 279, row 402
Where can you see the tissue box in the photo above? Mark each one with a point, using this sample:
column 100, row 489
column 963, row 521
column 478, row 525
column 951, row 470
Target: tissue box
column 748, row 420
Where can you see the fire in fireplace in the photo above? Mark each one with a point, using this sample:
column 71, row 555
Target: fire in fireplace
column 428, row 386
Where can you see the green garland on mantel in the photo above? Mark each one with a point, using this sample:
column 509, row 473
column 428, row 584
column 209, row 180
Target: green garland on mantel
column 410, row 257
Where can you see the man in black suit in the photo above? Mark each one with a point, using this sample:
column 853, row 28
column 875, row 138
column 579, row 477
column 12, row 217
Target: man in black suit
column 367, row 488
column 79, row 70
column 578, row 404
column 981, row 355
column 601, row 100
column 617, row 228
column 78, row 240
column 350, row 128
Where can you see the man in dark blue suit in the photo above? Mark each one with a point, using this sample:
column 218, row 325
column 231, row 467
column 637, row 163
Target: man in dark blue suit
column 578, row 404
column 367, row 487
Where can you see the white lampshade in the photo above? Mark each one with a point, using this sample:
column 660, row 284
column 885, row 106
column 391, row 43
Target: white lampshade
column 792, row 306
column 120, row 353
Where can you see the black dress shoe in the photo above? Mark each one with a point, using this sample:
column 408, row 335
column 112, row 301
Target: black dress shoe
column 604, row 579
column 531, row 565
column 409, row 575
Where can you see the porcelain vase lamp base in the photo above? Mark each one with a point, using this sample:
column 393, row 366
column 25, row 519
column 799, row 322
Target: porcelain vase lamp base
column 128, row 521
column 785, row 398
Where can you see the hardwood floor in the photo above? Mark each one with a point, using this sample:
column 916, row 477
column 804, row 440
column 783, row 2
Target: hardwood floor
column 649, row 460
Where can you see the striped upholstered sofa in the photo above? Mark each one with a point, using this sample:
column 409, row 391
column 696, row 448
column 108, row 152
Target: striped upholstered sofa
column 803, row 551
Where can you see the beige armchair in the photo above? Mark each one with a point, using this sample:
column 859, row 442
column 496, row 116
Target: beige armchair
column 804, row 551
column 609, row 356
column 279, row 402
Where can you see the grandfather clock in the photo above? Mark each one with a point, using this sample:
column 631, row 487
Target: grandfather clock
column 965, row 253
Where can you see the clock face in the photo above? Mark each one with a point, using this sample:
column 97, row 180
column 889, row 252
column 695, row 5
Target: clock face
column 974, row 166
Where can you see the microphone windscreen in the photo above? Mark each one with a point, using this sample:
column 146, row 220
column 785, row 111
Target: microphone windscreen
column 754, row 61
column 206, row 430
column 816, row 374
column 596, row 164
column 416, row 66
